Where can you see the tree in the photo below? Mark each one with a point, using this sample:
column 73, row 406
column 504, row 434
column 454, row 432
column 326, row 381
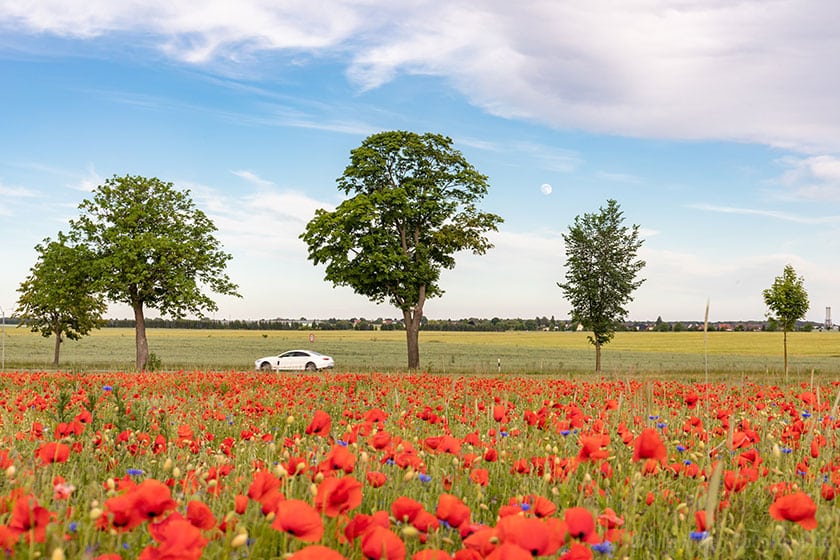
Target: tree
column 153, row 249
column 601, row 269
column 57, row 298
column 413, row 207
column 788, row 302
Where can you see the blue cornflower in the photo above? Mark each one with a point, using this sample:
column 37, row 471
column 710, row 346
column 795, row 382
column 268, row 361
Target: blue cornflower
column 787, row 450
column 525, row 507
column 687, row 462
column 605, row 547
column 342, row 443
column 806, row 414
column 653, row 417
column 503, row 434
column 661, row 425
column 424, row 477
column 680, row 448
column 73, row 526
column 565, row 432
column 107, row 388
column 135, row 472
column 698, row 535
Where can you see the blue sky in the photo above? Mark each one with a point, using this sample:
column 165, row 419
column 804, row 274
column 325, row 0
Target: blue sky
column 714, row 124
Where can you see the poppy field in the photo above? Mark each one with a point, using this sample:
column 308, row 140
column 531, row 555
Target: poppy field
column 194, row 464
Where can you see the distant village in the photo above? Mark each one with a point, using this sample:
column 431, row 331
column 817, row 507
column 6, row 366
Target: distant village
column 495, row 324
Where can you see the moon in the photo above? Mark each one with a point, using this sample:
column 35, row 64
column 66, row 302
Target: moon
column 545, row 188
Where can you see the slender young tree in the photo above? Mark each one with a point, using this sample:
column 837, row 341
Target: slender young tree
column 788, row 302
column 601, row 269
column 153, row 249
column 413, row 207
column 58, row 297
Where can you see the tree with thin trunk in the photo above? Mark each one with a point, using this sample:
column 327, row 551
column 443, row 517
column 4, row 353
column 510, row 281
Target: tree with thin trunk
column 153, row 249
column 788, row 302
column 58, row 297
column 413, row 207
column 601, row 269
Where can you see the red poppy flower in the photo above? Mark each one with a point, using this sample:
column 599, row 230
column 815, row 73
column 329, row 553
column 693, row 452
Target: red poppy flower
column 362, row 522
column 452, row 510
column 797, row 507
column 30, row 519
column 649, row 446
column 177, row 538
column 199, row 514
column 375, row 478
column 53, row 452
column 140, row 503
column 580, row 524
column 592, row 448
column 382, row 544
column 240, row 503
column 480, row 476
column 338, row 495
column 298, row 518
column 320, row 425
column 405, row 509
column 529, row 533
column 316, row 552
column 509, row 551
column 338, row 459
column 578, row 551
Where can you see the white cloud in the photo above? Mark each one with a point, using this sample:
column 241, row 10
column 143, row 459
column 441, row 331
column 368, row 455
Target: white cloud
column 775, row 214
column 753, row 70
column 814, row 178
column 253, row 178
column 16, row 192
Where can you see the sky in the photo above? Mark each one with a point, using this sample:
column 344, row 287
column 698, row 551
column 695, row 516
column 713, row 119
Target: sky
column 714, row 124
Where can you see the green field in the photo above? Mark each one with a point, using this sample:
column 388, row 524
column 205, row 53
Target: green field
column 442, row 352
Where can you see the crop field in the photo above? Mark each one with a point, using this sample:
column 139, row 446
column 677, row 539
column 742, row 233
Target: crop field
column 442, row 352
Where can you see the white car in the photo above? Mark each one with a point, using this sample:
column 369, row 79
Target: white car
column 295, row 360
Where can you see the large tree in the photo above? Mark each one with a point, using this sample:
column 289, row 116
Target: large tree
column 413, row 207
column 788, row 302
column 154, row 249
column 601, row 270
column 58, row 298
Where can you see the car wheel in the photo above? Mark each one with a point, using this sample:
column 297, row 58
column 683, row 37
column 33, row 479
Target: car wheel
column 265, row 366
column 311, row 367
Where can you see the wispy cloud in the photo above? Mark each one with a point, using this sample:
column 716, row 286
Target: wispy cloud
column 16, row 192
column 812, row 178
column 253, row 178
column 643, row 69
column 774, row 214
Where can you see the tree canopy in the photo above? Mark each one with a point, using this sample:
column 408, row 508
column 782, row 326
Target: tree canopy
column 413, row 207
column 788, row 302
column 601, row 272
column 153, row 249
column 59, row 296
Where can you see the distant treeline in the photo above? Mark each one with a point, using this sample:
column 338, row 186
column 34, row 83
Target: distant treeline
column 465, row 325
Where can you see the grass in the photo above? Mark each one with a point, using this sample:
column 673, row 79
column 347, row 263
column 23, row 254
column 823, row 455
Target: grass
column 442, row 352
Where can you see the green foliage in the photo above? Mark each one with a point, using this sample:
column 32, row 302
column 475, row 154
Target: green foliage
column 58, row 298
column 413, row 206
column 601, row 269
column 788, row 302
column 787, row 299
column 153, row 249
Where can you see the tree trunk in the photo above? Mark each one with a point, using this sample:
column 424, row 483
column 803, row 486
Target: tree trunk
column 785, row 345
column 597, row 357
column 141, row 343
column 57, row 348
column 412, row 337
